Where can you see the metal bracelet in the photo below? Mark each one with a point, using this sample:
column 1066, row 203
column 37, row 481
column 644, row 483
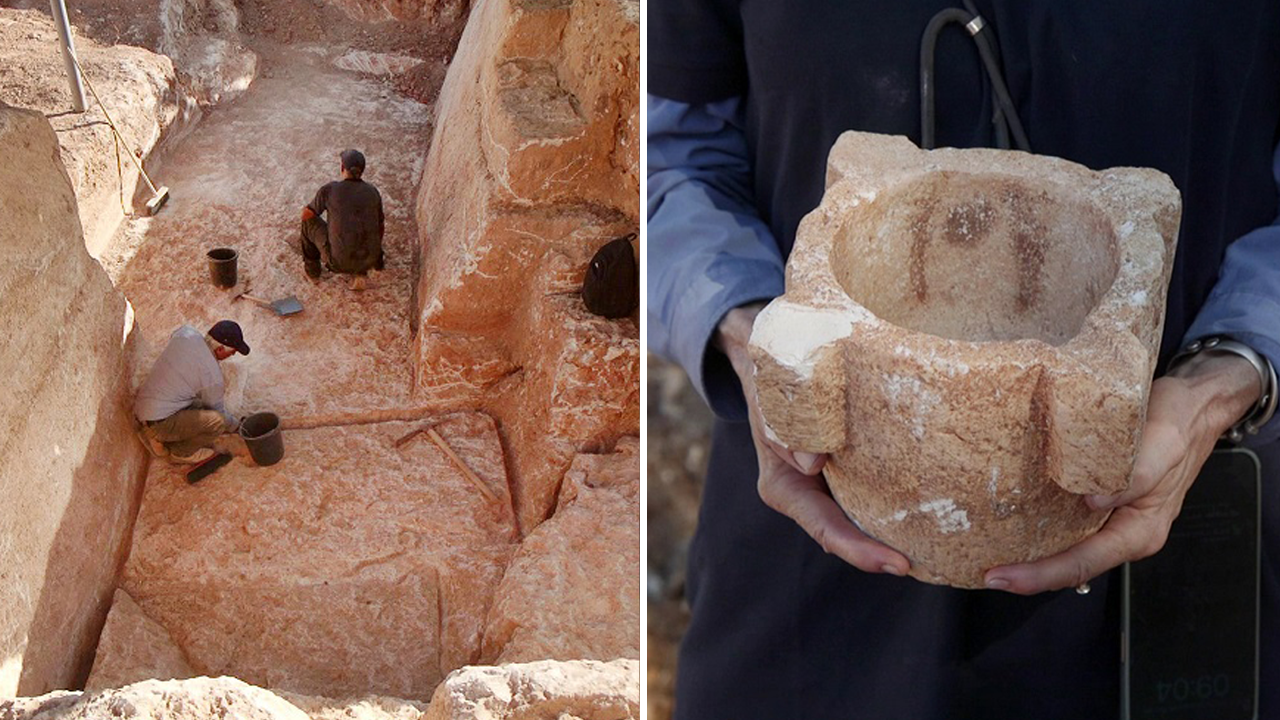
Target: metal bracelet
column 1266, row 405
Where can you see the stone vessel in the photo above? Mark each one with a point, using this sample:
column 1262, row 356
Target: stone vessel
column 971, row 335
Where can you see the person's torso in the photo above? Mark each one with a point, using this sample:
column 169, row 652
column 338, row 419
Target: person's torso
column 1189, row 88
column 183, row 371
column 354, row 237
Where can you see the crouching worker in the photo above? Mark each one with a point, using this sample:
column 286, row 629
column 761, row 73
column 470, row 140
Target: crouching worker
column 180, row 405
column 351, row 241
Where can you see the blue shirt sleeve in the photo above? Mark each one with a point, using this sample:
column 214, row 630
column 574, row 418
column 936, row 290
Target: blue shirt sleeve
column 1245, row 302
column 708, row 250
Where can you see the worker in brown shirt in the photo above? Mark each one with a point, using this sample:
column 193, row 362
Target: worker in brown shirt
column 351, row 241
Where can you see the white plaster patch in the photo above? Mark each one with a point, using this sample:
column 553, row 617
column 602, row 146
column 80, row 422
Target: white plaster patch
column 950, row 518
column 793, row 334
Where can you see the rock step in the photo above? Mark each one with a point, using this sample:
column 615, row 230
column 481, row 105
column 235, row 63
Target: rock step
column 579, row 689
column 570, row 592
column 534, row 103
column 580, row 393
column 349, row 567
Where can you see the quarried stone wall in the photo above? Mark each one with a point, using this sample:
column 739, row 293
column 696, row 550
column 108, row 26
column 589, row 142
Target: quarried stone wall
column 140, row 90
column 534, row 165
column 71, row 466
column 570, row 592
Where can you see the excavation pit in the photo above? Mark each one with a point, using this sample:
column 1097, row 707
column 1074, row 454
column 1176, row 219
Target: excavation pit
column 347, row 566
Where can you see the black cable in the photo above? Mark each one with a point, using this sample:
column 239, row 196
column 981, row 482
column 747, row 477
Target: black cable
column 1002, row 93
column 1004, row 114
column 928, row 48
column 999, row 126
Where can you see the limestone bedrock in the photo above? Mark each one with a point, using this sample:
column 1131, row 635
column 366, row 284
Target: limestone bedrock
column 971, row 335
column 241, row 182
column 70, row 469
column 353, row 566
column 584, row 690
column 569, row 592
column 534, row 165
column 139, row 88
column 350, row 567
column 134, row 647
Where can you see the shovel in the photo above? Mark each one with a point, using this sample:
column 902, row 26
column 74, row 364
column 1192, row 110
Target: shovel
column 282, row 307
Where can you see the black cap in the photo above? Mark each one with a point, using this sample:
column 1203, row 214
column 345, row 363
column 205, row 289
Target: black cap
column 352, row 159
column 228, row 333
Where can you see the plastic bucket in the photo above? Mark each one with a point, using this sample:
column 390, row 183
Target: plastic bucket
column 222, row 267
column 261, row 432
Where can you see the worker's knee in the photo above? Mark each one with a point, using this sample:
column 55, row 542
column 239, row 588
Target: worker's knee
column 212, row 422
column 315, row 231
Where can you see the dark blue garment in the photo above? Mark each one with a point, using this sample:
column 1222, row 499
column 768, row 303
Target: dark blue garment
column 783, row 631
column 1189, row 88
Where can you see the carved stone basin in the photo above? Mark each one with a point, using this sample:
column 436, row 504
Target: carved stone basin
column 971, row 335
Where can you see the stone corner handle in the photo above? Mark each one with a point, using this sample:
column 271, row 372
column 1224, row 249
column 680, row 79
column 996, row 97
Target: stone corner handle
column 1093, row 427
column 800, row 379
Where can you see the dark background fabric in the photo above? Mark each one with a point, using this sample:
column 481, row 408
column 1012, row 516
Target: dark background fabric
column 1189, row 88
column 780, row 630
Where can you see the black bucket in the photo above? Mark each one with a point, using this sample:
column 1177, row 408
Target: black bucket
column 222, row 267
column 261, row 432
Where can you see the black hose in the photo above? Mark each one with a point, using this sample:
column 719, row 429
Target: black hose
column 1004, row 116
column 1002, row 93
column 998, row 123
column 928, row 47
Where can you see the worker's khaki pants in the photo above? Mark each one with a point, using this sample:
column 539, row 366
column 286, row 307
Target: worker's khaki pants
column 186, row 431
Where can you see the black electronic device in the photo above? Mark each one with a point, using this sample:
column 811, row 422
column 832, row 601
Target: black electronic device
column 1190, row 617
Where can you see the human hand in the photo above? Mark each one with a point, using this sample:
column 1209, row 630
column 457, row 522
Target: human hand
column 791, row 482
column 1187, row 412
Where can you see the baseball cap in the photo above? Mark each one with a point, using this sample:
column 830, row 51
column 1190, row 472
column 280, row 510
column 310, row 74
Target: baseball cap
column 228, row 333
column 352, row 159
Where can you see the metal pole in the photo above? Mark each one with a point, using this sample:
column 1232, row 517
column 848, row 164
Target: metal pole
column 59, row 9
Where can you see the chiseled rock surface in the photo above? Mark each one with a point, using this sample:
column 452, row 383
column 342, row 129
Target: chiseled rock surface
column 133, row 647
column 71, row 468
column 503, row 190
column 534, row 166
column 550, row 91
column 570, row 592
column 581, row 690
column 348, row 568
column 581, row 393
column 223, row 698
column 138, row 87
column 995, row 319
